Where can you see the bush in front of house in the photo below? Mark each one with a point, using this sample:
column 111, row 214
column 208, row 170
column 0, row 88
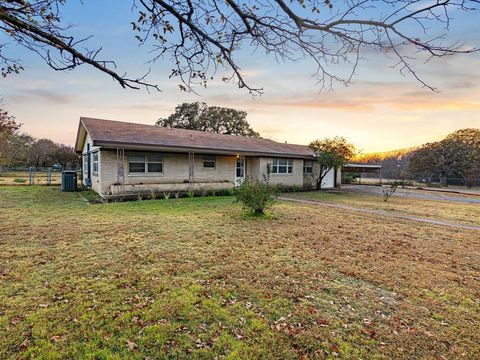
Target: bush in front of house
column 348, row 179
column 255, row 195
column 289, row 188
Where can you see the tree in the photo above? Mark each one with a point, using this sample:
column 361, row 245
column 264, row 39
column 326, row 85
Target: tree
column 198, row 37
column 45, row 153
column 423, row 162
column 467, row 136
column 66, row 156
column 7, row 122
column 18, row 151
column 394, row 163
column 458, row 155
column 8, row 128
column 331, row 153
column 470, row 138
column 200, row 116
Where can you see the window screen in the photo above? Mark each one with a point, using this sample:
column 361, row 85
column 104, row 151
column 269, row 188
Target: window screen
column 209, row 161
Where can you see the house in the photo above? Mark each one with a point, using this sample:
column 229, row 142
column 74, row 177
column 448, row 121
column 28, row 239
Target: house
column 121, row 158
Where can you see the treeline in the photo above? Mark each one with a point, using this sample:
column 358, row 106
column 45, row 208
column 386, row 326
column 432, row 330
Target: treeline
column 21, row 150
column 454, row 160
column 394, row 163
column 455, row 157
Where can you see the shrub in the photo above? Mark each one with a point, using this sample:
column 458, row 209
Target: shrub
column 288, row 188
column 224, row 192
column 348, row 179
column 388, row 191
column 255, row 195
column 20, row 180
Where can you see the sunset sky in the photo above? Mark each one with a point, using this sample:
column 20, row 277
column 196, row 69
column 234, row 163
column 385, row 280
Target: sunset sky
column 381, row 110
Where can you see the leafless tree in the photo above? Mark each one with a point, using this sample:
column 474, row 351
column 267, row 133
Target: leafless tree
column 199, row 37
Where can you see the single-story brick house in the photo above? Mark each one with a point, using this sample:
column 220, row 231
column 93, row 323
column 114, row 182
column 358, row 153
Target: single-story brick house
column 121, row 158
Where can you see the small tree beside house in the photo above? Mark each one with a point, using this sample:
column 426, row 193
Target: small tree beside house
column 331, row 153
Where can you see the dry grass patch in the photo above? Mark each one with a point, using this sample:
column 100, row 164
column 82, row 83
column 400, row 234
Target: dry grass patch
column 194, row 278
column 434, row 209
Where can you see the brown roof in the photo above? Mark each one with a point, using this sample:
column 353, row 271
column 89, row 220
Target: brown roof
column 130, row 135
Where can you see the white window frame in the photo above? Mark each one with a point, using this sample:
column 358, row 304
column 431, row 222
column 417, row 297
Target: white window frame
column 95, row 162
column 288, row 166
column 146, row 162
column 305, row 166
column 209, row 159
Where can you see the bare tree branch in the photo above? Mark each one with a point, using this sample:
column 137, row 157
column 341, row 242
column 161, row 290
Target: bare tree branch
column 203, row 38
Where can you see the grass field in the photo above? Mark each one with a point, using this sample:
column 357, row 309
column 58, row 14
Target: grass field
column 22, row 178
column 196, row 278
column 442, row 210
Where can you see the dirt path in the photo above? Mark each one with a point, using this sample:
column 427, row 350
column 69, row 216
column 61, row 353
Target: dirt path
column 389, row 214
column 417, row 194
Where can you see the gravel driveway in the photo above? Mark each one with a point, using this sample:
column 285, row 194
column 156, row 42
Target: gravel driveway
column 417, row 194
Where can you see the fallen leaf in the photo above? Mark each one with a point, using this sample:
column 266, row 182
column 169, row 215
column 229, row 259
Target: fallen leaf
column 131, row 345
column 58, row 338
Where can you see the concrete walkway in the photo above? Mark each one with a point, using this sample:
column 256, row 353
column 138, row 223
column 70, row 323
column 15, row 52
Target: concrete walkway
column 389, row 214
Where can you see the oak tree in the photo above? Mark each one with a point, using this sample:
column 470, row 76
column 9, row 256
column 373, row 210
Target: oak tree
column 456, row 156
column 200, row 116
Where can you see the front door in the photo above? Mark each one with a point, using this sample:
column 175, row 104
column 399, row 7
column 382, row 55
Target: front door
column 239, row 170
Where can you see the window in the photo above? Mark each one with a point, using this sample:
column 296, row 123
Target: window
column 95, row 163
column 136, row 162
column 308, row 167
column 282, row 166
column 209, row 161
column 155, row 163
column 141, row 163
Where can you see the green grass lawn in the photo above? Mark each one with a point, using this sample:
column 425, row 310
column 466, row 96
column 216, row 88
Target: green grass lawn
column 194, row 278
column 442, row 210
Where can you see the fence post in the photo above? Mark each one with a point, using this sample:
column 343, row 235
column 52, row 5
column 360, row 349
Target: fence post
column 30, row 176
column 49, row 177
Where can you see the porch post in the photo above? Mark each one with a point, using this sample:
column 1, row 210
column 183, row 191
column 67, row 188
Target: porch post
column 191, row 170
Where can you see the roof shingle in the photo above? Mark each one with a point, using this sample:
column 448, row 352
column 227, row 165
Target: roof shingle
column 104, row 132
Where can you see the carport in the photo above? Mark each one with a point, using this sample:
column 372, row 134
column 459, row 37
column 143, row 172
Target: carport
column 360, row 168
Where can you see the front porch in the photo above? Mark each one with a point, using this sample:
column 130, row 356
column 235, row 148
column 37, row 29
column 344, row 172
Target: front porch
column 171, row 187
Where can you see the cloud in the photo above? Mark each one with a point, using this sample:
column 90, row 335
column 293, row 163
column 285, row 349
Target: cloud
column 42, row 95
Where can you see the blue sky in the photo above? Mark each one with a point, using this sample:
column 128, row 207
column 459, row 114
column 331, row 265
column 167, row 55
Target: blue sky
column 380, row 110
